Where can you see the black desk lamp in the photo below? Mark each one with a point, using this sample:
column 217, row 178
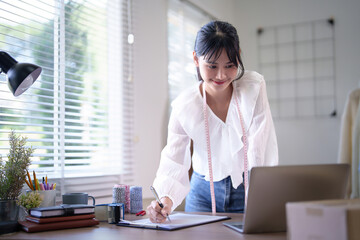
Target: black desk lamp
column 20, row 75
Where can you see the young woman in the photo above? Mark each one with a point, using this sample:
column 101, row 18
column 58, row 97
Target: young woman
column 227, row 118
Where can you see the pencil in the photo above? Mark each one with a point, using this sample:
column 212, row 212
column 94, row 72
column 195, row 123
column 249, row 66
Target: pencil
column 27, row 182
column 30, row 182
column 46, row 179
column 28, row 174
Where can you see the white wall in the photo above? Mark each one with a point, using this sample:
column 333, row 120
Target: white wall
column 306, row 141
column 150, row 88
column 221, row 9
column 313, row 140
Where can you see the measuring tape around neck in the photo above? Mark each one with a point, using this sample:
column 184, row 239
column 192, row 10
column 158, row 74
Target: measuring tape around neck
column 246, row 179
column 212, row 192
column 207, row 132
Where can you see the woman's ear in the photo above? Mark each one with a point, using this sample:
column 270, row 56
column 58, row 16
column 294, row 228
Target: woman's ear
column 196, row 59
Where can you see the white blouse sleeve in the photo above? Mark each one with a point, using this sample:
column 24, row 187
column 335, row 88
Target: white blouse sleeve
column 172, row 178
column 263, row 148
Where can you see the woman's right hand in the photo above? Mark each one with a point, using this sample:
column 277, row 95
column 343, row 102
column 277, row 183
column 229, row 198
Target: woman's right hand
column 158, row 214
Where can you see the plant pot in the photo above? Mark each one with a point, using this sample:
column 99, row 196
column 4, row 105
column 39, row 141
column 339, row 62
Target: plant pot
column 9, row 212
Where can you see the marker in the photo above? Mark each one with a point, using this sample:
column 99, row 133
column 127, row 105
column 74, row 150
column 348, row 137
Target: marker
column 38, row 184
column 158, row 200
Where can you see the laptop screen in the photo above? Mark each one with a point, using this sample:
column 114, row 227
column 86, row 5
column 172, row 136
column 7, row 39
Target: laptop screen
column 270, row 188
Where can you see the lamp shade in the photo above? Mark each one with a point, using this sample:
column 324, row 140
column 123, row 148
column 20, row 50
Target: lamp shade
column 20, row 75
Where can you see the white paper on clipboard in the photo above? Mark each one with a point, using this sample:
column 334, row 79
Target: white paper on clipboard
column 178, row 221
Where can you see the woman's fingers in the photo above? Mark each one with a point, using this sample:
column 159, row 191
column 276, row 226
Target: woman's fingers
column 154, row 211
column 167, row 203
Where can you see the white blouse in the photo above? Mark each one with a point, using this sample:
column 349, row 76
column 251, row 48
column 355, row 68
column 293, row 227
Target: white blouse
column 187, row 123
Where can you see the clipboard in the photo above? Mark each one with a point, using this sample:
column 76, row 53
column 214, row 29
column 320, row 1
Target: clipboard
column 178, row 221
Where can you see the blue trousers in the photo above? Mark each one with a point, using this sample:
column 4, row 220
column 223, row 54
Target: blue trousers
column 228, row 199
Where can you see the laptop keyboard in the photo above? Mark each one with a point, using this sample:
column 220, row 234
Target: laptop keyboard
column 238, row 225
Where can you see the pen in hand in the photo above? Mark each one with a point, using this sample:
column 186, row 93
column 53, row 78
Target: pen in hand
column 158, row 200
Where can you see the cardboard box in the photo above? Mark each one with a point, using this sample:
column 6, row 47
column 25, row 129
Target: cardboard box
column 323, row 220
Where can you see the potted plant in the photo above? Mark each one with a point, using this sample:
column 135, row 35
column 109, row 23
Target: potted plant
column 12, row 179
column 27, row 201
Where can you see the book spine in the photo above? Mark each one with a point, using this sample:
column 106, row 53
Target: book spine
column 60, row 225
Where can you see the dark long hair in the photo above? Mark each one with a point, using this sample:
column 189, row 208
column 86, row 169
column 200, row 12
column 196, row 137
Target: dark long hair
column 215, row 36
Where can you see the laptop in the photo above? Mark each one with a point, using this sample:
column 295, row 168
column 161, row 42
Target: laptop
column 270, row 188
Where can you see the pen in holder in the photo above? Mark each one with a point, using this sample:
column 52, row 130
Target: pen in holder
column 47, row 192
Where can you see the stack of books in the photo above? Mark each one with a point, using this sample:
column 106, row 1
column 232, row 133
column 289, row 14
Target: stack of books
column 59, row 217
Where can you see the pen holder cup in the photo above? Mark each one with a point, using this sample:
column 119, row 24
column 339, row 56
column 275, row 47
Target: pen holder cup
column 48, row 198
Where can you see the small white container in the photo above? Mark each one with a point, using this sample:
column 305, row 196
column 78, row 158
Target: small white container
column 48, row 197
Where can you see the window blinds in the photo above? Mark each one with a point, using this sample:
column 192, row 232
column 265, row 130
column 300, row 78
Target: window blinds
column 78, row 114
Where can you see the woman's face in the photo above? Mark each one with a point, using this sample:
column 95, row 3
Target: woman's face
column 217, row 74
